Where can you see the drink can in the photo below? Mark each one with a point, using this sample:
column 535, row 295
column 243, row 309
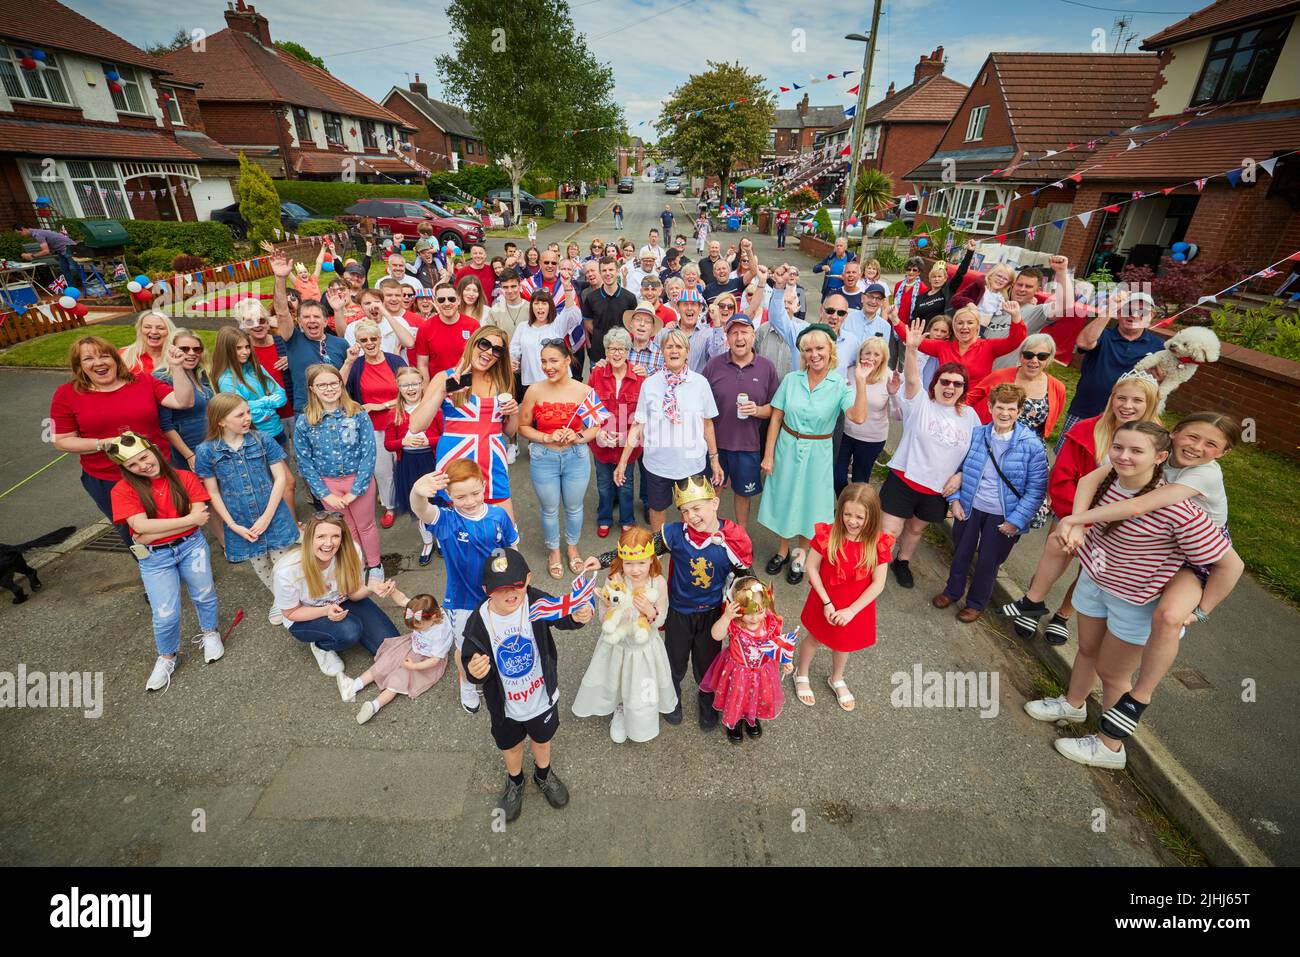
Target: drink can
column 741, row 398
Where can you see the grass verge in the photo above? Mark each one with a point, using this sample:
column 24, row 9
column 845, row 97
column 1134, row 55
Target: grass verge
column 51, row 352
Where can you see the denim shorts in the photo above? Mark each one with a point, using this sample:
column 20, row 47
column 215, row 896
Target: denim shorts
column 1128, row 622
column 742, row 471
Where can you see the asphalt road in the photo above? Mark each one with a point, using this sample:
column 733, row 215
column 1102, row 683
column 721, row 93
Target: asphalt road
column 254, row 760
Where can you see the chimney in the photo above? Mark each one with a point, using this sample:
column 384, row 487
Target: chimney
column 803, row 105
column 929, row 66
column 418, row 87
column 245, row 18
column 890, row 91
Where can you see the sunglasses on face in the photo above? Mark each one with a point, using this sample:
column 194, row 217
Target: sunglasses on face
column 835, row 312
column 366, row 340
column 723, row 307
column 1040, row 356
column 952, row 383
column 445, row 299
column 483, row 345
column 190, row 350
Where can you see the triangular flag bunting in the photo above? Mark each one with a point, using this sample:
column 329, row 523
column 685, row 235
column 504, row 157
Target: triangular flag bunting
column 1112, row 208
column 1205, row 299
column 1058, row 223
column 1268, row 164
column 1234, row 176
column 1077, row 177
column 1200, row 184
column 854, row 91
column 1168, row 189
column 845, row 151
column 1002, row 239
column 786, row 89
column 1050, row 153
column 1138, row 194
column 1131, row 144
column 850, row 111
column 1084, row 217
column 796, row 86
column 1014, row 196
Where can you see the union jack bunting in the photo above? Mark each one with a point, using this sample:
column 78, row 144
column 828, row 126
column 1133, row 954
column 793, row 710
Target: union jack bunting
column 549, row 609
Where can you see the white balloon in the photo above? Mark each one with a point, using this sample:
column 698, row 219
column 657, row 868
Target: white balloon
column 67, row 302
column 134, row 286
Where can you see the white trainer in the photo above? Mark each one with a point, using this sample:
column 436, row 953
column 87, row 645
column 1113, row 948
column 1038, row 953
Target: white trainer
column 512, row 453
column 618, row 726
column 1090, row 751
column 469, row 697
column 375, row 576
column 1055, row 709
column 275, row 616
column 346, row 691
column 330, row 663
column 368, row 711
column 160, row 678
column 213, row 649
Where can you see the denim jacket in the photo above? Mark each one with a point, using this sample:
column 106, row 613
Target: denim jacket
column 262, row 404
column 336, row 446
column 244, row 480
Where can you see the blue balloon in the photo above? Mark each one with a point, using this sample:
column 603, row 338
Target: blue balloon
column 1179, row 247
column 73, row 292
column 1180, row 257
column 42, row 201
column 922, row 243
column 142, row 279
column 402, row 246
column 38, row 55
column 113, row 76
column 327, row 266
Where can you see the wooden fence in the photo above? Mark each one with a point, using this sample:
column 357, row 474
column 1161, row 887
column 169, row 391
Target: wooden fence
column 34, row 322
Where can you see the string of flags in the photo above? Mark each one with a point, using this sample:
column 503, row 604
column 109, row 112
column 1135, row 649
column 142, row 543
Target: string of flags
column 136, row 194
column 1266, row 273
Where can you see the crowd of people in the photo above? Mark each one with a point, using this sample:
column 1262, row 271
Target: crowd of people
column 674, row 381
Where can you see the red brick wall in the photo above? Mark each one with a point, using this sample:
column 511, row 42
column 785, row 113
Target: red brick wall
column 904, row 147
column 997, row 128
column 190, row 111
column 426, row 135
column 233, row 124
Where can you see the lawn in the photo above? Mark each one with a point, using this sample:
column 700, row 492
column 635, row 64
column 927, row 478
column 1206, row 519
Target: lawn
column 52, row 351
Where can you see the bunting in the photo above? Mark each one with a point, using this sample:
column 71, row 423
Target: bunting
column 1265, row 273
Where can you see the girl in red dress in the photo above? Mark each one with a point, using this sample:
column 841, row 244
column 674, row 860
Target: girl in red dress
column 846, row 568
column 744, row 679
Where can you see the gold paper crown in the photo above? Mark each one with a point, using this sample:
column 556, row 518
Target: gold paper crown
column 693, row 489
column 635, row 553
column 752, row 595
column 125, row 446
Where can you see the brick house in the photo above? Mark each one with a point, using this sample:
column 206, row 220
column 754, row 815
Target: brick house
column 293, row 118
column 440, row 128
column 794, row 131
column 1249, row 110
column 97, row 126
column 1020, row 106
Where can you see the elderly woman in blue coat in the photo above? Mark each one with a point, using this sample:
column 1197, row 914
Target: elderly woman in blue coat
column 1003, row 481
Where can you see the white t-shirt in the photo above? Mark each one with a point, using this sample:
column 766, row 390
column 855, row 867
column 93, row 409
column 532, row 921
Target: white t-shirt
column 518, row 662
column 675, row 451
column 435, row 641
column 387, row 337
column 1207, row 479
column 526, row 342
column 935, row 440
column 291, row 587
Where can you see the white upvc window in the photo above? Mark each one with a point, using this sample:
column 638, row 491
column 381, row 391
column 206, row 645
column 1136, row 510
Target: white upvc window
column 80, row 188
column 975, row 126
column 971, row 208
column 129, row 96
column 173, row 106
column 44, row 84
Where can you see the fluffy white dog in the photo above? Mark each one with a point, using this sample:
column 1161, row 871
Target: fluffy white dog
column 1177, row 361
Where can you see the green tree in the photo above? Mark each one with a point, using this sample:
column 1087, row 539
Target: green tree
column 527, row 80
column 259, row 203
column 301, row 52
column 874, row 191
column 180, row 39
column 712, row 142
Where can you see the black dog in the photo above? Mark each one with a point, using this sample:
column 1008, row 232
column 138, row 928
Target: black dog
column 12, row 562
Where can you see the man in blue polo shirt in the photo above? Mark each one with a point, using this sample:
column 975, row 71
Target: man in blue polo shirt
column 307, row 343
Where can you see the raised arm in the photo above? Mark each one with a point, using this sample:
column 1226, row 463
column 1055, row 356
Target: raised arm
column 912, row 384
column 430, row 402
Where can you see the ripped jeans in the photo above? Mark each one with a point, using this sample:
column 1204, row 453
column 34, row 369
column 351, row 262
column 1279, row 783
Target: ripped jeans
column 189, row 560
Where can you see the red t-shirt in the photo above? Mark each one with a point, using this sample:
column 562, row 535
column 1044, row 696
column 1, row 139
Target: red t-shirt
column 106, row 415
column 416, row 322
column 143, row 365
column 267, row 357
column 378, row 384
column 485, row 275
column 444, row 344
column 126, row 502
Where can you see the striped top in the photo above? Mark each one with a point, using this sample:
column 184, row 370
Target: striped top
column 1138, row 559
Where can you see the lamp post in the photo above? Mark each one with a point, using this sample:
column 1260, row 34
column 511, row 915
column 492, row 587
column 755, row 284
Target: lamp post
column 859, row 115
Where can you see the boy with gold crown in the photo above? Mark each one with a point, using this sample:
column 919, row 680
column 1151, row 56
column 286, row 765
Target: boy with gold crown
column 705, row 552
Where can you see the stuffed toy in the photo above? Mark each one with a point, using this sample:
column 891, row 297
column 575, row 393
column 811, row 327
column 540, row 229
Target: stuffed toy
column 622, row 620
column 1177, row 361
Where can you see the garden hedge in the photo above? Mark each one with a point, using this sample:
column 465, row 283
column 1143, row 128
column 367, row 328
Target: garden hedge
column 330, row 199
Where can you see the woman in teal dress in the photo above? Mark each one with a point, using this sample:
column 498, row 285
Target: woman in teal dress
column 800, row 492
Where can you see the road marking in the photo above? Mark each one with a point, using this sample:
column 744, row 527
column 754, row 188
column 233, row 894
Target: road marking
column 33, row 475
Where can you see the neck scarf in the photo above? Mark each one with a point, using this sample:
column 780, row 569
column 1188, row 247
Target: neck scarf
column 672, row 412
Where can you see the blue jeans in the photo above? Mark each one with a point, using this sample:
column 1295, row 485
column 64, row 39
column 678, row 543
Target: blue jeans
column 863, row 456
column 366, row 623
column 560, row 477
column 185, row 560
column 618, row 220
column 606, row 491
column 71, row 270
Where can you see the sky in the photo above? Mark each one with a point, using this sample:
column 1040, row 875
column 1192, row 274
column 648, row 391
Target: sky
column 654, row 47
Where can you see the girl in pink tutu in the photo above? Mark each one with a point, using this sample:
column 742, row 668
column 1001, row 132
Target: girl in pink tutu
column 744, row 678
column 408, row 664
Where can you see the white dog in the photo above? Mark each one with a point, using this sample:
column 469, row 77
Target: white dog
column 1177, row 361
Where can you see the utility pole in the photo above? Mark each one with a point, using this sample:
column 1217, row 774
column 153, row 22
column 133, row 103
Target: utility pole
column 859, row 115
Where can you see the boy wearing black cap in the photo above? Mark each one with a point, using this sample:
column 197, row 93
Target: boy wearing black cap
column 510, row 652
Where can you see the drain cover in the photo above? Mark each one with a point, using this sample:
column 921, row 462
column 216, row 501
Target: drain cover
column 1193, row 680
column 107, row 541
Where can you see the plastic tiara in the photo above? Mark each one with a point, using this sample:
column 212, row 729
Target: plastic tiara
column 1141, row 374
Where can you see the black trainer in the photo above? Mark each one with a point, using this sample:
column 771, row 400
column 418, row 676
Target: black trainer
column 735, row 735
column 675, row 716
column 754, row 730
column 512, row 799
column 902, row 574
column 553, row 789
column 708, row 716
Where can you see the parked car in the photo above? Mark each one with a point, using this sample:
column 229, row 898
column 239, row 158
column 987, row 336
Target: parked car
column 529, row 204
column 291, row 216
column 449, row 200
column 405, row 216
column 626, row 185
column 660, row 175
column 672, row 184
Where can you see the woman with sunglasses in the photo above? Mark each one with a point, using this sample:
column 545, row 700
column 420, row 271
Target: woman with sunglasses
column 479, row 411
column 543, row 325
column 371, row 377
column 560, row 415
column 1044, row 394
column 186, row 429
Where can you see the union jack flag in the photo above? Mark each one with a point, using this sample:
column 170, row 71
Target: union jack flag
column 556, row 288
column 780, row 648
column 592, row 411
column 582, row 593
column 58, row 285
column 119, row 272
column 473, row 432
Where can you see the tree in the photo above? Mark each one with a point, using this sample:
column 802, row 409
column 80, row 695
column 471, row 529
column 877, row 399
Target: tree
column 713, row 142
column 301, row 52
column 527, row 80
column 259, row 203
column 874, row 191
column 179, row 41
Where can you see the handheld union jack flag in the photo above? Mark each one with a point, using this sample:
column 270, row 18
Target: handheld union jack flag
column 549, row 609
column 58, row 285
column 591, row 411
column 781, row 647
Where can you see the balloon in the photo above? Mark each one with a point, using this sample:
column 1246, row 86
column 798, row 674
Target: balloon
column 144, row 297
column 922, row 242
column 142, row 279
column 67, row 302
column 73, row 292
column 27, row 63
column 327, row 266
column 1180, row 257
column 80, row 310
column 42, row 201
column 402, row 247
column 1179, row 247
column 113, row 76
column 38, row 55
column 133, row 287
column 115, row 87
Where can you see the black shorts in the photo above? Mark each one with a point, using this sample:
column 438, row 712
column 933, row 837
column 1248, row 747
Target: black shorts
column 659, row 490
column 900, row 500
column 539, row 730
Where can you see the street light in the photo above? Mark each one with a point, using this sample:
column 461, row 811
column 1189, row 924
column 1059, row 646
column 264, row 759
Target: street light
column 859, row 115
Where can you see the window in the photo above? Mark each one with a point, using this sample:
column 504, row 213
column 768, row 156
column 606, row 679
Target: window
column 334, row 128
column 971, row 207
column 469, row 147
column 173, row 104
column 771, row 140
column 368, row 138
column 870, row 142
column 81, row 188
column 390, row 140
column 1239, row 64
column 43, row 83
column 127, row 98
column 302, row 124
column 975, row 127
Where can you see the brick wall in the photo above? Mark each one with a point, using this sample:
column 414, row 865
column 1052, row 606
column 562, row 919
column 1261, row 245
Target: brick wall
column 426, row 135
column 233, row 124
column 904, row 147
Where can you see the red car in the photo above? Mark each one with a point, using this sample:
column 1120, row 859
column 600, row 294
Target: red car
column 396, row 215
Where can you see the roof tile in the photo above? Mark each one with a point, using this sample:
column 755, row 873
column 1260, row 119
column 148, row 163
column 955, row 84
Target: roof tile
column 1216, row 17
column 33, row 138
column 51, row 25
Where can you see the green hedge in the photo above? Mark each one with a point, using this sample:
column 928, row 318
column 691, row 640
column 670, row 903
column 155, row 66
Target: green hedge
column 475, row 180
column 319, row 227
column 330, row 199
column 11, row 245
column 213, row 241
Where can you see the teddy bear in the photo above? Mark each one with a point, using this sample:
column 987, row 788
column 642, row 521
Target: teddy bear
column 1177, row 361
column 621, row 619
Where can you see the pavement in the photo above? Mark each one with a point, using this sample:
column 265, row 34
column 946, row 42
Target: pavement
column 254, row 760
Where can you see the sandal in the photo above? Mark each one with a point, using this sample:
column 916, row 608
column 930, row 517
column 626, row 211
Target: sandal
column 842, row 694
column 803, row 690
column 556, row 567
column 575, row 563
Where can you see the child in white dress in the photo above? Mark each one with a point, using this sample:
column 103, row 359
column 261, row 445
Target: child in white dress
column 629, row 675
column 408, row 664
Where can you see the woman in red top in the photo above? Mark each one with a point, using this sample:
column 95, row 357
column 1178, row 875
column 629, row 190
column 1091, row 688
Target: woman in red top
column 103, row 399
column 618, row 386
column 1045, row 394
column 846, row 569
column 560, row 415
column 153, row 334
column 966, row 346
column 1132, row 399
column 372, row 383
